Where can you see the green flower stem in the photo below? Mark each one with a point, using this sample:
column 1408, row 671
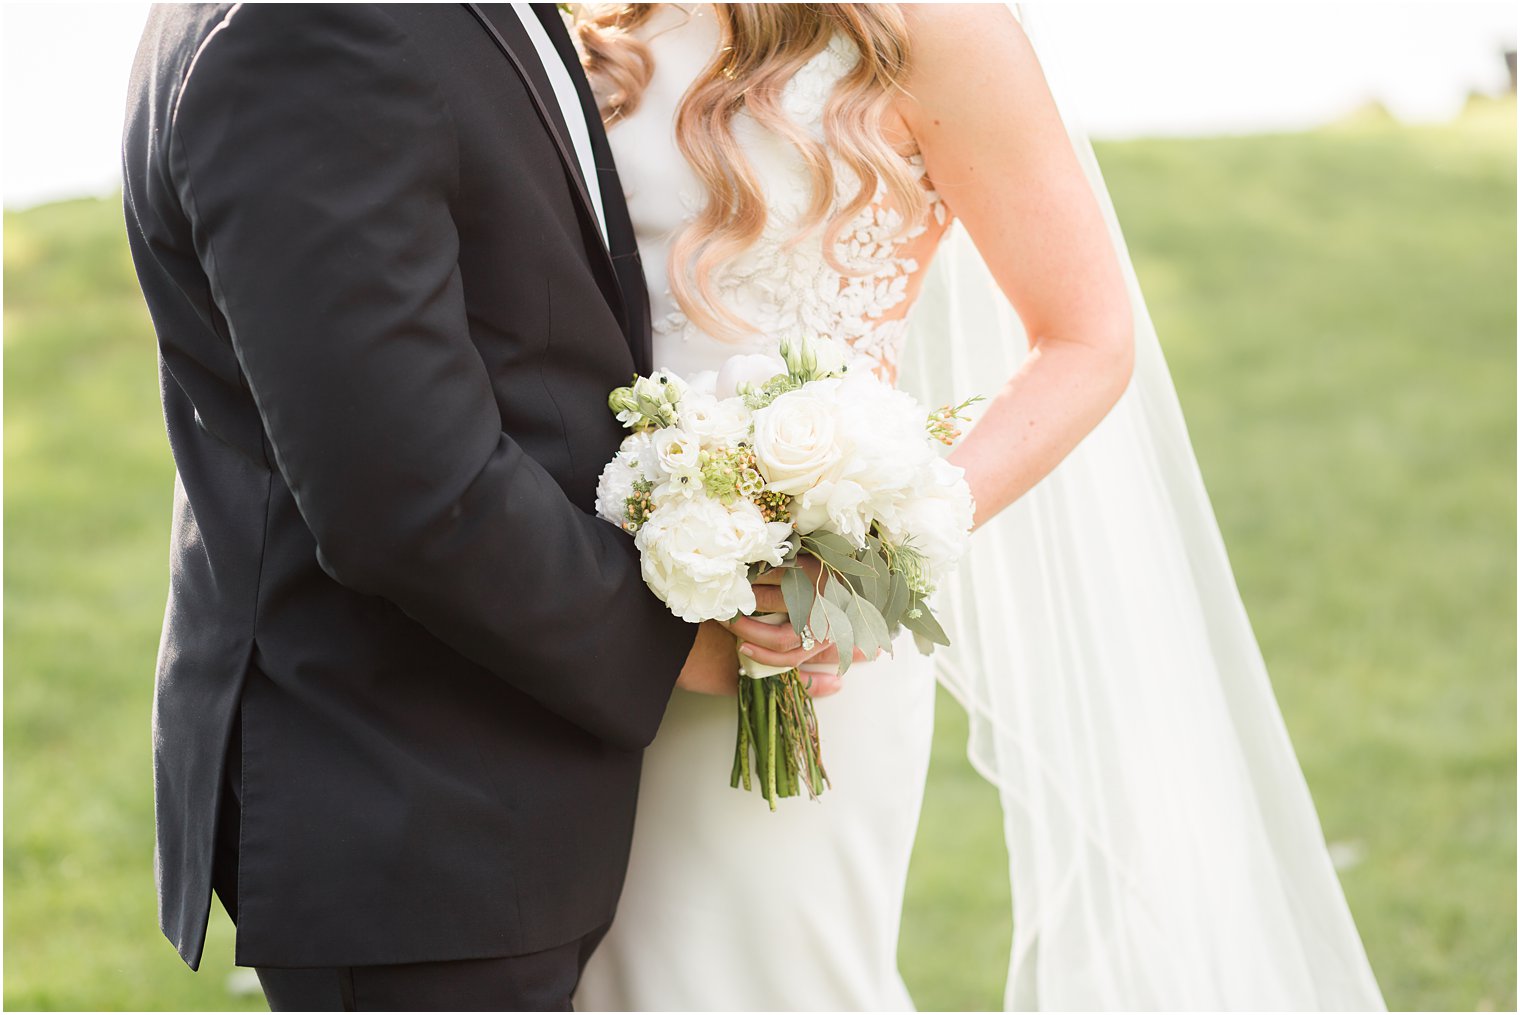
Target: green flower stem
column 741, row 748
column 777, row 722
column 770, row 733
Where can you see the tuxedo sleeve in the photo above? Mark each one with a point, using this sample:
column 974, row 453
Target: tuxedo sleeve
column 317, row 163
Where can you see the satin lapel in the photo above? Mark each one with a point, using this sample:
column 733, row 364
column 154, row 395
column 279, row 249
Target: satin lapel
column 563, row 146
column 620, row 235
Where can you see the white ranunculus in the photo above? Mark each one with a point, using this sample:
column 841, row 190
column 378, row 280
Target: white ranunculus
column 695, row 554
column 679, row 452
column 936, row 517
column 796, row 441
column 750, row 368
column 716, row 422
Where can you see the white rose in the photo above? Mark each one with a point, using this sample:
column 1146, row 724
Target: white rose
column 796, row 443
column 715, row 422
column 936, row 517
column 752, row 368
column 695, row 555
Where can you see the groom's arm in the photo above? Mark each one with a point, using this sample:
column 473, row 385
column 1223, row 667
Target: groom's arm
column 317, row 162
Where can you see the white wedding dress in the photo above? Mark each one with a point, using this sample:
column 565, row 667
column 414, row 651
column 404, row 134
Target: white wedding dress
column 728, row 906
column 1164, row 850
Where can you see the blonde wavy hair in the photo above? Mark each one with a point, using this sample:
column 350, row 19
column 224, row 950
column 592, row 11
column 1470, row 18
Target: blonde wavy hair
column 761, row 46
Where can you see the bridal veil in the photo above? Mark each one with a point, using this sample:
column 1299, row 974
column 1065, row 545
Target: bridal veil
column 1164, row 851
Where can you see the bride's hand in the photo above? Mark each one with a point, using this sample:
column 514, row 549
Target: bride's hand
column 712, row 666
column 775, row 644
column 819, row 665
column 821, row 673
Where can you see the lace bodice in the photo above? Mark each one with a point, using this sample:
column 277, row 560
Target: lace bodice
column 781, row 287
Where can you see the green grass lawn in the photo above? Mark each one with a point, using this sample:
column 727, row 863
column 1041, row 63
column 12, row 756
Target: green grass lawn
column 1339, row 312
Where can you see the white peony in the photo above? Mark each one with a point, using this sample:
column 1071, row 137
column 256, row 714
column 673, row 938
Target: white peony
column 937, row 517
column 695, row 554
column 613, row 490
column 883, row 430
column 635, row 460
column 843, row 507
column 638, row 449
column 796, row 440
column 716, row 422
column 752, row 368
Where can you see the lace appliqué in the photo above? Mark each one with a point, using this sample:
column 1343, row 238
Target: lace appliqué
column 786, row 288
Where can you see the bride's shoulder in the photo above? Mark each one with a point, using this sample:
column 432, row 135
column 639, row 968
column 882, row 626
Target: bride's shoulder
column 957, row 17
column 941, row 37
column 965, row 60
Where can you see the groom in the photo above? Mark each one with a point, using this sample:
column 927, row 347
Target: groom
column 405, row 676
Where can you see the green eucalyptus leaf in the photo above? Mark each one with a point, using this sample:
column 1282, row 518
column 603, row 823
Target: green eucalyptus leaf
column 898, row 598
column 925, row 624
column 844, row 563
column 793, row 545
column 869, row 627
column 866, row 584
column 797, row 591
column 840, row 632
column 818, row 621
column 831, row 541
column 837, row 593
column 878, row 589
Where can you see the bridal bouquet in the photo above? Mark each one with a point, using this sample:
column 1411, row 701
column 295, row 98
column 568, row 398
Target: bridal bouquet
column 771, row 458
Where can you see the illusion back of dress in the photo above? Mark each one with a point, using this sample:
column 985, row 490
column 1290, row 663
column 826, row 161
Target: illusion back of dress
column 783, row 285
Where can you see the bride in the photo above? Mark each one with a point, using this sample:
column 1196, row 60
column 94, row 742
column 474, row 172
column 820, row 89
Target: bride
column 823, row 170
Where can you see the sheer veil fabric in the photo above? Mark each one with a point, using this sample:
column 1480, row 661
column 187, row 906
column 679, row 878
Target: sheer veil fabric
column 1164, row 851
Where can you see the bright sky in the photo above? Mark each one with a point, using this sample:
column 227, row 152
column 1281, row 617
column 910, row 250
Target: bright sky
column 1133, row 69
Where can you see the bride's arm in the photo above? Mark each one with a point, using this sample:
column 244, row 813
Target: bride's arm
column 994, row 145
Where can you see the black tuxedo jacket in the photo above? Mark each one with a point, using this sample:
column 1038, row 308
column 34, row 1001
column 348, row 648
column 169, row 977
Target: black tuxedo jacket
column 387, row 328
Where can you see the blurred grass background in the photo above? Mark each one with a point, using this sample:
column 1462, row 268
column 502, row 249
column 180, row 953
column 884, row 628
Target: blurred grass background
column 1338, row 308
